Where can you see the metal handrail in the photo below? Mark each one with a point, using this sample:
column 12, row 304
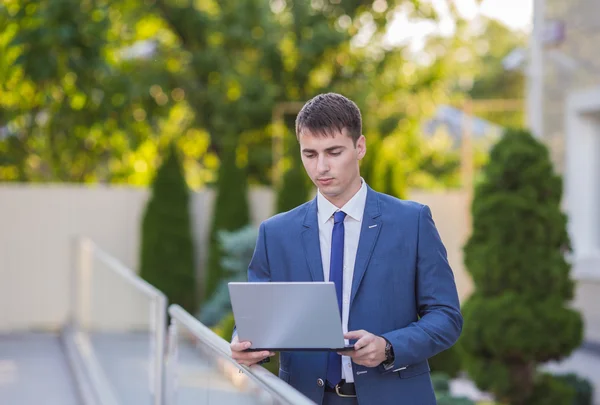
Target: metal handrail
column 269, row 382
column 125, row 272
column 88, row 251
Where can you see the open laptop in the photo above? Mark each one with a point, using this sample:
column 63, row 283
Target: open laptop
column 288, row 316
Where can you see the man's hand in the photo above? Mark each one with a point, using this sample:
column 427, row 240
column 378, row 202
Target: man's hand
column 246, row 358
column 369, row 350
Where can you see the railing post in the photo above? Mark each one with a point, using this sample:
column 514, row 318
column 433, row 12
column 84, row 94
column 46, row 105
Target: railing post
column 171, row 364
column 158, row 325
column 83, row 277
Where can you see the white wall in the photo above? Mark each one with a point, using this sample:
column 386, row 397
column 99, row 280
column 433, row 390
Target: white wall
column 37, row 227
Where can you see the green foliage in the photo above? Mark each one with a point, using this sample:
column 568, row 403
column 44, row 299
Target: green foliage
column 78, row 106
column 440, row 382
column 548, row 390
column 294, row 189
column 81, row 103
column 518, row 316
column 238, row 247
column 231, row 212
column 584, row 390
column 225, row 327
column 492, row 79
column 167, row 248
column 447, row 362
column 447, row 399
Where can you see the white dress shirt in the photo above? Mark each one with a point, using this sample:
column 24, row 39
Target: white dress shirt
column 354, row 210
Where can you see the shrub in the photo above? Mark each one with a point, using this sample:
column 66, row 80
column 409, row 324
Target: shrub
column 167, row 248
column 447, row 399
column 549, row 390
column 440, row 382
column 448, row 362
column 238, row 247
column 294, row 189
column 518, row 316
column 584, row 391
column 231, row 212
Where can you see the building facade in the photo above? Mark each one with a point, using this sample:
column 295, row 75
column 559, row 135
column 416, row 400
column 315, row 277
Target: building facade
column 568, row 72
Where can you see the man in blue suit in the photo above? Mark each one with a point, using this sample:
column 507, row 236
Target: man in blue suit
column 396, row 291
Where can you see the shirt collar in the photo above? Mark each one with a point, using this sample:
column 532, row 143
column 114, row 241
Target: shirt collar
column 354, row 208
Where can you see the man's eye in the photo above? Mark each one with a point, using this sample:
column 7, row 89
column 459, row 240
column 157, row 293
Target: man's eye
column 310, row 156
column 335, row 153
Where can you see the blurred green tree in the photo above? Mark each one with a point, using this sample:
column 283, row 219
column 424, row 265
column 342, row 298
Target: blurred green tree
column 491, row 80
column 518, row 317
column 83, row 97
column 92, row 90
column 167, row 247
column 231, row 213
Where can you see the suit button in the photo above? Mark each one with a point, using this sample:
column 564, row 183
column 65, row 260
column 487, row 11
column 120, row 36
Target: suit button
column 320, row 382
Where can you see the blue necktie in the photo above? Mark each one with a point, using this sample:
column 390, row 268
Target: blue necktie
column 336, row 274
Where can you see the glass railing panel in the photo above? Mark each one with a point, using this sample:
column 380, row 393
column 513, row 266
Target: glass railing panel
column 200, row 370
column 119, row 324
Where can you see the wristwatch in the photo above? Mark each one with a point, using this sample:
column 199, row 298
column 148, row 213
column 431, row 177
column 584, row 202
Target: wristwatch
column 389, row 354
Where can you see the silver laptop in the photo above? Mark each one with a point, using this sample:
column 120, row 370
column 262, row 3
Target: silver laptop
column 288, row 316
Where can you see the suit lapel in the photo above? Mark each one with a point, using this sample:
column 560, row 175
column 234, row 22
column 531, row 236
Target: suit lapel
column 370, row 229
column 310, row 241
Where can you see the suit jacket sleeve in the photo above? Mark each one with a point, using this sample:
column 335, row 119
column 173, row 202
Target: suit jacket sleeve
column 440, row 320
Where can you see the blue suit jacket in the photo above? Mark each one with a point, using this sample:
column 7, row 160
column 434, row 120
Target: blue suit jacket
column 403, row 289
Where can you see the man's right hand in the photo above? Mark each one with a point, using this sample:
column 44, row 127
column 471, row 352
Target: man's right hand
column 247, row 358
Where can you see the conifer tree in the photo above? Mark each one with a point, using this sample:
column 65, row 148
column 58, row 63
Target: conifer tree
column 167, row 247
column 518, row 316
column 294, row 189
column 231, row 212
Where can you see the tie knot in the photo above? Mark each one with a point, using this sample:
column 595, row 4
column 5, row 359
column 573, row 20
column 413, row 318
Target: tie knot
column 338, row 217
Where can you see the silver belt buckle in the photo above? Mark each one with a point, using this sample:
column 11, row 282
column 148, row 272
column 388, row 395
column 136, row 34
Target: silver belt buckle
column 337, row 391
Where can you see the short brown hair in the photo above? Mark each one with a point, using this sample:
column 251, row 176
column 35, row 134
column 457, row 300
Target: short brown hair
column 327, row 113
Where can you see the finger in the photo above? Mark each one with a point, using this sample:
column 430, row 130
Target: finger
column 249, row 358
column 355, row 334
column 363, row 342
column 240, row 346
column 258, row 356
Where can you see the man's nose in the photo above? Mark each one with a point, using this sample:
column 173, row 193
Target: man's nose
column 322, row 164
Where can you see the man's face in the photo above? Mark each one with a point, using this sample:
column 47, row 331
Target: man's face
column 333, row 164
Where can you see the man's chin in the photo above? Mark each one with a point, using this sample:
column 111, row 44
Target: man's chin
column 329, row 191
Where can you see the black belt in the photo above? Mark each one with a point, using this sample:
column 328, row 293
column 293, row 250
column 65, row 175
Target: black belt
column 343, row 389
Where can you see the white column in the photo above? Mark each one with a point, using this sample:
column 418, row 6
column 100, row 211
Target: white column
column 535, row 72
column 582, row 189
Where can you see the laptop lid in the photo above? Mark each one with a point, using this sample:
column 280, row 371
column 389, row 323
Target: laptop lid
column 287, row 316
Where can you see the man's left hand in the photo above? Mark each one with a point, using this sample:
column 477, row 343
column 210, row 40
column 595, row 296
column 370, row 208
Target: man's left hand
column 369, row 350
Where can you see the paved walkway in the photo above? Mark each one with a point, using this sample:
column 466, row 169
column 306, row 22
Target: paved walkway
column 34, row 370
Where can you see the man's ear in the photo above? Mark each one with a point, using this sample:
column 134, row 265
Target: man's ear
column 361, row 146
